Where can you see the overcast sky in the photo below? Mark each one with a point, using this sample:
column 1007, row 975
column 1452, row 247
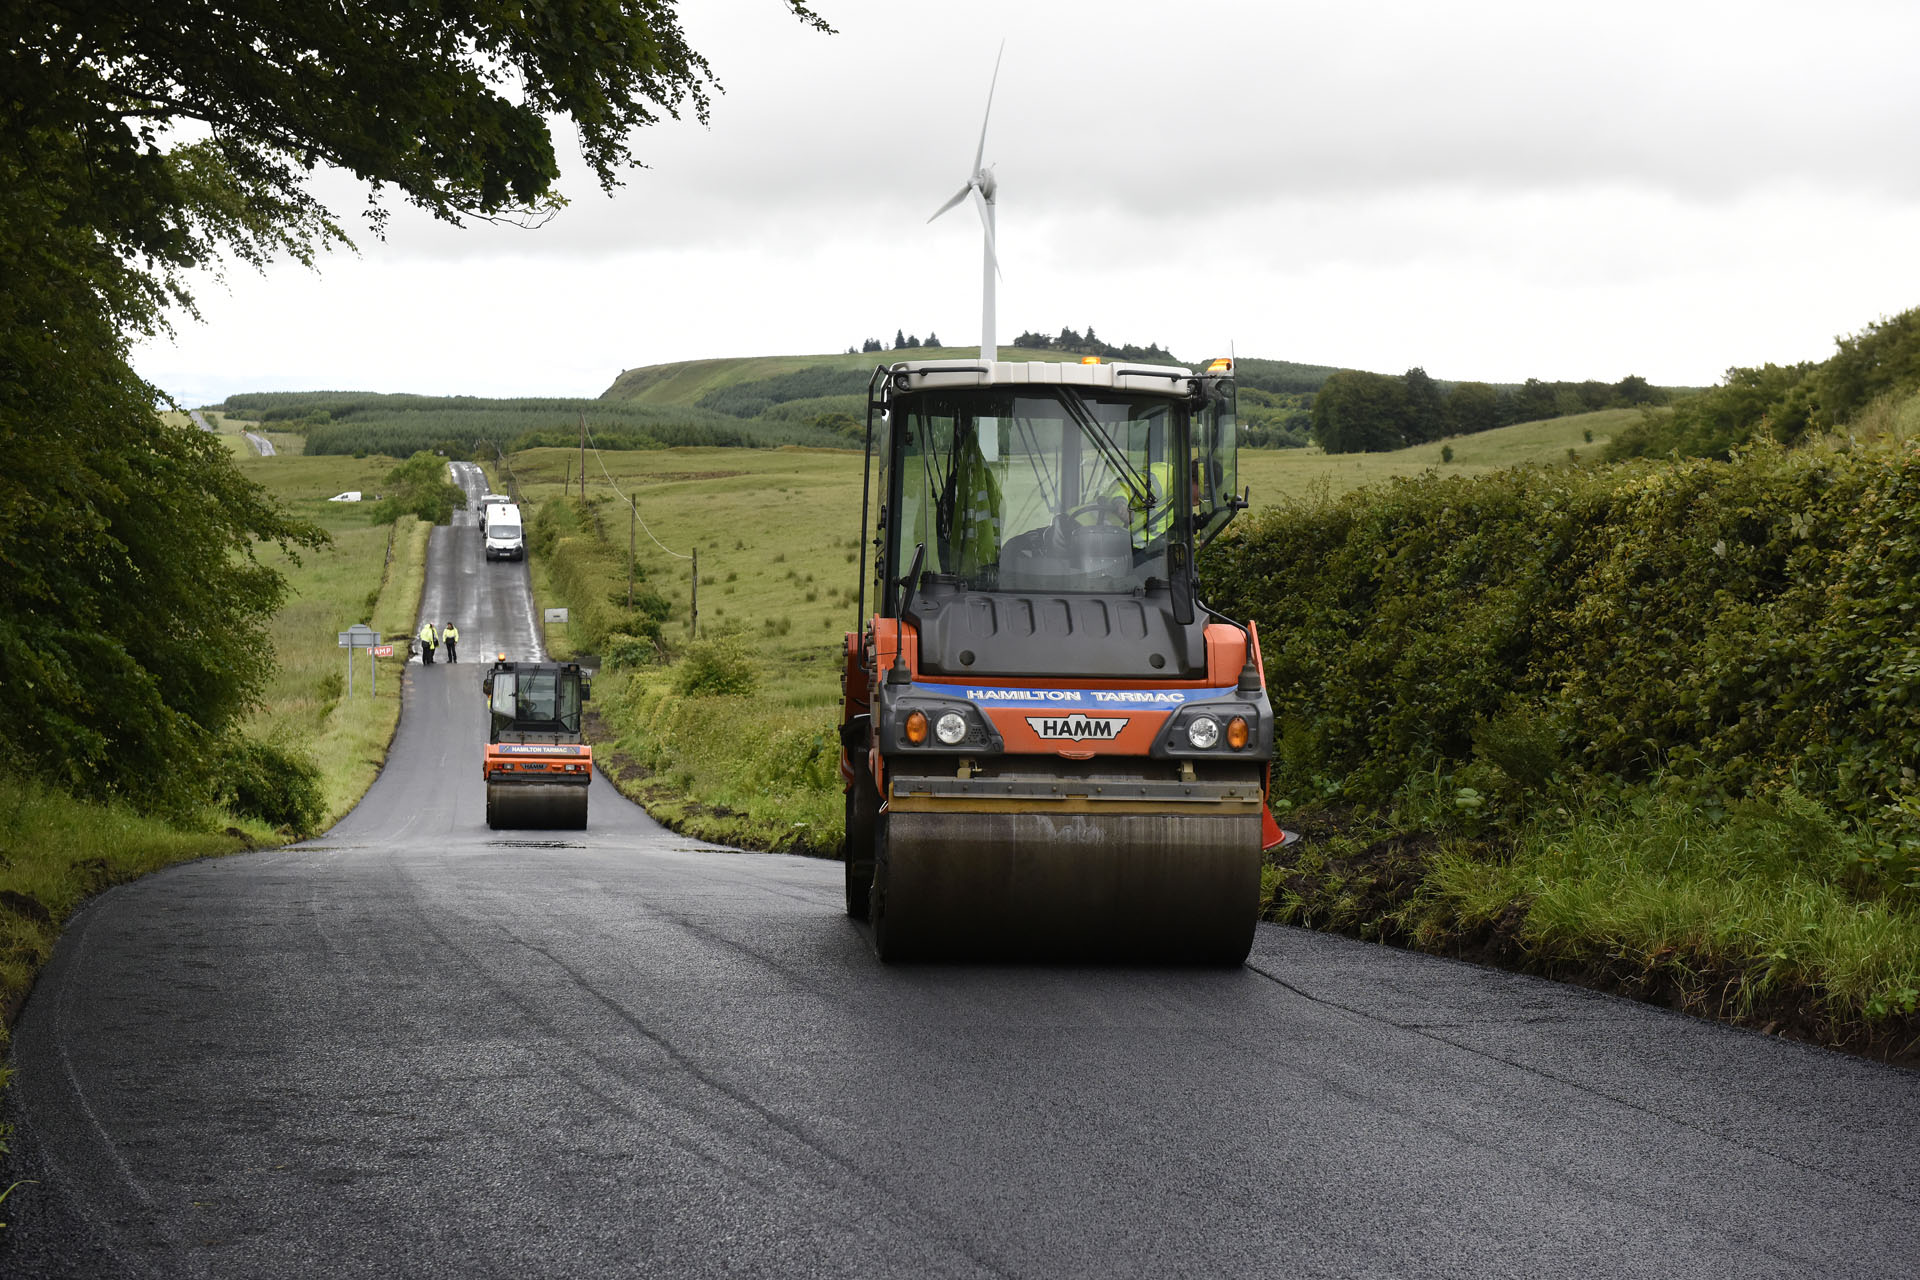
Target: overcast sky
column 1488, row 190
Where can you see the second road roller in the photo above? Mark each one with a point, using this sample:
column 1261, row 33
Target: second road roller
column 537, row 767
column 1052, row 747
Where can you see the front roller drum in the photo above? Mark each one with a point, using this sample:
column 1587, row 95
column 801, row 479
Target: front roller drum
column 550, row 806
column 1177, row 888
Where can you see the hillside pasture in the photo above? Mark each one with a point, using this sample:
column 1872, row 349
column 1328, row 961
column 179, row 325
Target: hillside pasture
column 1276, row 475
column 334, row 422
column 694, row 381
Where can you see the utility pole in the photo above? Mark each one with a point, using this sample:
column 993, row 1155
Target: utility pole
column 633, row 514
column 583, row 456
column 694, row 622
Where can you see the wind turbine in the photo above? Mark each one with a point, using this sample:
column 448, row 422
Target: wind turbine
column 982, row 187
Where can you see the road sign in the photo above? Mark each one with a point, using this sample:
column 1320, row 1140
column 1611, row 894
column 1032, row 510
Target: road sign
column 383, row 651
column 556, row 615
column 359, row 636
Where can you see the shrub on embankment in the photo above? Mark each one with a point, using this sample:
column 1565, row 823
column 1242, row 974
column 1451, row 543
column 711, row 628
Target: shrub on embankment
column 589, row 574
column 691, row 731
column 1487, row 676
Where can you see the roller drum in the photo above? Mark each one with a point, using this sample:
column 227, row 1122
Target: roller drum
column 1138, row 887
column 552, row 806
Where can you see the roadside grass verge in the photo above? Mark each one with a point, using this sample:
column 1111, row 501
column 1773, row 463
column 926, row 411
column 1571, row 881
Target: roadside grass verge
column 774, row 787
column 1650, row 727
column 1767, row 915
column 370, row 574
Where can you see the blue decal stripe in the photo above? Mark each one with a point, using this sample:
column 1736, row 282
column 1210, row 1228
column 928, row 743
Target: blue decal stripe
column 988, row 697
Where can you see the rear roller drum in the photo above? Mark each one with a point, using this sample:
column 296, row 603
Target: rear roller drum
column 1140, row 888
column 549, row 807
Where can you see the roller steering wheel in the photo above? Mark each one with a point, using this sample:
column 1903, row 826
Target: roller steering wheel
column 1104, row 509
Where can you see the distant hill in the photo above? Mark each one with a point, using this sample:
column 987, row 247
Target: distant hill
column 1282, row 377
column 697, row 382
column 822, row 394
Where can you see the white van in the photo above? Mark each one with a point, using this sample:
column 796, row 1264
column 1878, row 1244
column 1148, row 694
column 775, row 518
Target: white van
column 505, row 539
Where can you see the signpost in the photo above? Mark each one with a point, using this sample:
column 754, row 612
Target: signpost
column 361, row 636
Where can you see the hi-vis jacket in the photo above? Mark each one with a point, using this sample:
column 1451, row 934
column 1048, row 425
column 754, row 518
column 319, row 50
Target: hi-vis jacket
column 426, row 635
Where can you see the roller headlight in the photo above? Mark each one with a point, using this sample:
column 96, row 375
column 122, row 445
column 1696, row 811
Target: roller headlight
column 1203, row 732
column 950, row 728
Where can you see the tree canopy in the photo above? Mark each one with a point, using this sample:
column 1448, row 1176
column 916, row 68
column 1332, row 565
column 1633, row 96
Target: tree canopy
column 139, row 141
column 1356, row 412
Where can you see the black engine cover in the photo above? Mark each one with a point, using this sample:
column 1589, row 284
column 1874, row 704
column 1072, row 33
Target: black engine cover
column 997, row 633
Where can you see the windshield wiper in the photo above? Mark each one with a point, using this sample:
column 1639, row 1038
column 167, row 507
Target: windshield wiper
column 1116, row 457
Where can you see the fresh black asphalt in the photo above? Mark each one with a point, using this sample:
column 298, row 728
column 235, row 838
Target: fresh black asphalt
column 416, row 1047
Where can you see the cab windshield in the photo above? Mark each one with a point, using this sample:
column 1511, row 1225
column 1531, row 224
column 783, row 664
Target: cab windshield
column 536, row 702
column 1039, row 489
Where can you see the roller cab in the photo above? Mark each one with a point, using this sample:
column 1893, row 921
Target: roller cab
column 1052, row 748
column 537, row 768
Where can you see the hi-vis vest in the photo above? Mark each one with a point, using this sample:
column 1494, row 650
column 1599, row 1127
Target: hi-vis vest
column 976, row 515
column 1152, row 510
column 451, row 635
column 426, row 633
column 974, row 535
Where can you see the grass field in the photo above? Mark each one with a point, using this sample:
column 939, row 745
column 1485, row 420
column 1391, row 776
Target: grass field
column 1277, row 474
column 371, row 574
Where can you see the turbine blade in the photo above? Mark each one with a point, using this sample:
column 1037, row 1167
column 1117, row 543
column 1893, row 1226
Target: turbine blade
column 961, row 195
column 986, row 226
column 980, row 152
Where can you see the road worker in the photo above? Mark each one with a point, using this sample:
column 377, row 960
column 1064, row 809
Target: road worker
column 961, row 524
column 1147, row 502
column 427, row 642
column 450, row 636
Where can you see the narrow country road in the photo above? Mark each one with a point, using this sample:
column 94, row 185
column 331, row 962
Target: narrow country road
column 416, row 1047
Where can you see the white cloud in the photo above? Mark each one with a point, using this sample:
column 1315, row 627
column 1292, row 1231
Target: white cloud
column 1489, row 190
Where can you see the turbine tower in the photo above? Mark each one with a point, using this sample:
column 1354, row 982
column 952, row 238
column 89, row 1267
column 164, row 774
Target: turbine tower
column 981, row 186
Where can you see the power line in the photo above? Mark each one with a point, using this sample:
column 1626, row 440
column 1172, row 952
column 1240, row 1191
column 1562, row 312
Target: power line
column 629, row 501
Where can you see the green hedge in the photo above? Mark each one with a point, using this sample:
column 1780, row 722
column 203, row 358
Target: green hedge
column 589, row 573
column 1720, row 628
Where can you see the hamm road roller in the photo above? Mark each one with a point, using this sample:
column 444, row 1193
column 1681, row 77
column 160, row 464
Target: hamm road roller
column 1052, row 748
column 537, row 769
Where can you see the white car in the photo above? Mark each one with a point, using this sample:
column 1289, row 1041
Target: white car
column 351, row 495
